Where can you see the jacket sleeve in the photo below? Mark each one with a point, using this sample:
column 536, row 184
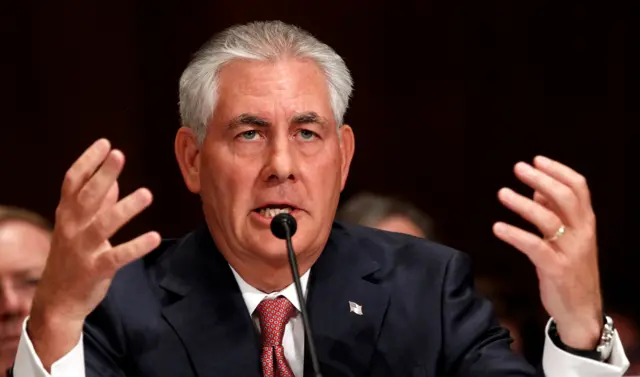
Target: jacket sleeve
column 474, row 344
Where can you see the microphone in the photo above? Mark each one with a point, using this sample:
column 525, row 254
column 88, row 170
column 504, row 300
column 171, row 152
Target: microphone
column 284, row 226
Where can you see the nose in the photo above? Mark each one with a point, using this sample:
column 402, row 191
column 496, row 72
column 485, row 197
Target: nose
column 281, row 164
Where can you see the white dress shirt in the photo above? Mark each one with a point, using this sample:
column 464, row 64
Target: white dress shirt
column 555, row 362
column 293, row 341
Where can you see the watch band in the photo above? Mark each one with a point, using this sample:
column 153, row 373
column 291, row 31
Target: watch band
column 600, row 353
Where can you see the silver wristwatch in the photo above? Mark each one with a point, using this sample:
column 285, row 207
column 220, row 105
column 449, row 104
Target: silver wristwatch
column 603, row 350
column 605, row 347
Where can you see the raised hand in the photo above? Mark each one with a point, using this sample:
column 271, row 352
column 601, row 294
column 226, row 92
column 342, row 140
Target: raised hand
column 566, row 255
column 82, row 262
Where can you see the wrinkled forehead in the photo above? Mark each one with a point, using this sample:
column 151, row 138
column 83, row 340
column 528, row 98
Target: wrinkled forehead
column 273, row 88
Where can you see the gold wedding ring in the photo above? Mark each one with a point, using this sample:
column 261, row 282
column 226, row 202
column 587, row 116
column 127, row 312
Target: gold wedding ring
column 559, row 233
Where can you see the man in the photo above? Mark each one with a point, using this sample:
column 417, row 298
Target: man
column 262, row 106
column 24, row 246
column 387, row 213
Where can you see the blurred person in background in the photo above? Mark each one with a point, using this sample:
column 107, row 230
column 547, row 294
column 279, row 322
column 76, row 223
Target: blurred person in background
column 387, row 213
column 503, row 297
column 24, row 246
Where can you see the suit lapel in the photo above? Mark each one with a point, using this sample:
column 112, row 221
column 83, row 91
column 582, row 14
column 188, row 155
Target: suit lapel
column 210, row 315
column 345, row 338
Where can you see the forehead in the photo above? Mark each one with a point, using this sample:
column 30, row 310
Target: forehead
column 22, row 246
column 290, row 85
column 400, row 224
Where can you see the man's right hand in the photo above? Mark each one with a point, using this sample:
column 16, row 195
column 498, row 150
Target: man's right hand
column 82, row 262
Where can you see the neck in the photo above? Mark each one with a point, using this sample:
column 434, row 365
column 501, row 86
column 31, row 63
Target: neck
column 266, row 274
column 266, row 277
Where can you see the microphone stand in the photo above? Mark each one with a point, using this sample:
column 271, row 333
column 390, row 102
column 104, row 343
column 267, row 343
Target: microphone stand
column 303, row 307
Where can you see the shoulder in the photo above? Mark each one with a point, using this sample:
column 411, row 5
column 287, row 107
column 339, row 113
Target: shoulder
column 137, row 291
column 396, row 252
column 148, row 269
column 384, row 246
column 140, row 284
column 172, row 255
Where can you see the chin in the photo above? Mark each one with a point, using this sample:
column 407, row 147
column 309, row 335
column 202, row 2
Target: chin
column 275, row 249
column 270, row 247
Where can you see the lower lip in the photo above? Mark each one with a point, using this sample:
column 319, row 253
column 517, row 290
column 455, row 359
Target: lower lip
column 267, row 220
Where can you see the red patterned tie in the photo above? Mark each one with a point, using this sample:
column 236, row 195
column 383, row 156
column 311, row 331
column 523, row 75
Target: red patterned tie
column 274, row 315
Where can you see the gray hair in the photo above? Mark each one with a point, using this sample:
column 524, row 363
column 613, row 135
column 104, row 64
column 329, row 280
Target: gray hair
column 369, row 209
column 265, row 41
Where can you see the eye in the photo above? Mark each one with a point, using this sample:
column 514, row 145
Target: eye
column 27, row 283
column 307, row 134
column 249, row 135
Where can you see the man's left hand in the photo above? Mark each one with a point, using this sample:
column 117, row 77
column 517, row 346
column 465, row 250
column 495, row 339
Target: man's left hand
column 566, row 256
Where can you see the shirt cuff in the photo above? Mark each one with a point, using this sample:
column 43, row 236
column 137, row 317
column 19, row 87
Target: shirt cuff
column 559, row 363
column 28, row 364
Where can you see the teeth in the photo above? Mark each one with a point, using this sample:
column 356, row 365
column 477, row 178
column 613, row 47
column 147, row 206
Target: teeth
column 272, row 212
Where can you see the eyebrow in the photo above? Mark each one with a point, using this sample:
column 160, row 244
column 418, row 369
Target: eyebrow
column 309, row 117
column 248, row 119
column 255, row 120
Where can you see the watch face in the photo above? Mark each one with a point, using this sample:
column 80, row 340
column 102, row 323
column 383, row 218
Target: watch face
column 606, row 341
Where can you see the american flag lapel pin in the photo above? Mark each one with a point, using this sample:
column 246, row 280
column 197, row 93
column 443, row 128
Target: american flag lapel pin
column 355, row 308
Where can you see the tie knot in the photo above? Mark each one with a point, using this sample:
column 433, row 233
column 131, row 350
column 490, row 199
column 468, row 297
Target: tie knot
column 274, row 314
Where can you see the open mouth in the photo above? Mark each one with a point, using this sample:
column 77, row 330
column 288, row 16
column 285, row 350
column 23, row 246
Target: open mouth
column 272, row 210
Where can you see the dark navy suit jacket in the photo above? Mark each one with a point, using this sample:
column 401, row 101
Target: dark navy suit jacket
column 178, row 312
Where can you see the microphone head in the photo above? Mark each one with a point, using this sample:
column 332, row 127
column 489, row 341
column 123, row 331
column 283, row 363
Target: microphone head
column 280, row 223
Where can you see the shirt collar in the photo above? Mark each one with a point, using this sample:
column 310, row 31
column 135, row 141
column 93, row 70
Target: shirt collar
column 253, row 297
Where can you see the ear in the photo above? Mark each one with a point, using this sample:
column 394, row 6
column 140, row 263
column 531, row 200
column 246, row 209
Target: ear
column 188, row 156
column 347, row 148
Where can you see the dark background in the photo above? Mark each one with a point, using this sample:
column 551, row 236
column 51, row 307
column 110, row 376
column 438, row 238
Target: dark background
column 448, row 96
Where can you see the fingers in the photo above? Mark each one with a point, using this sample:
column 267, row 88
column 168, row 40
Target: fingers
column 112, row 196
column 82, row 262
column 557, row 193
column 91, row 196
column 84, row 167
column 536, row 249
column 540, row 199
column 544, row 219
column 127, row 252
column 108, row 222
column 109, row 201
column 566, row 175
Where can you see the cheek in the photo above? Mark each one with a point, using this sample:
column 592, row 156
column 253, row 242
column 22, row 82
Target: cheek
column 323, row 173
column 227, row 182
